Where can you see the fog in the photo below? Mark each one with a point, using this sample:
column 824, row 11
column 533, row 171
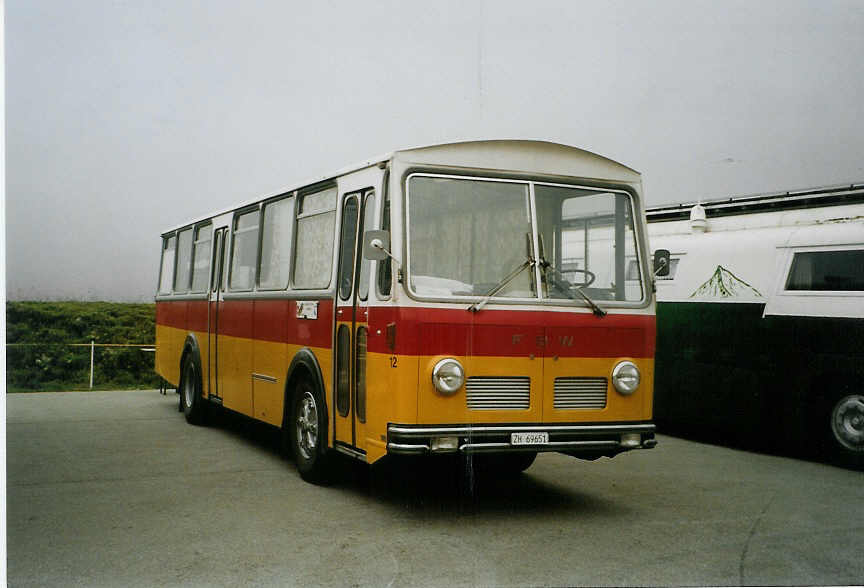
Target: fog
column 126, row 118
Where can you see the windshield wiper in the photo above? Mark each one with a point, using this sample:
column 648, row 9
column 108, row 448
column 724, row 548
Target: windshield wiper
column 565, row 287
column 529, row 262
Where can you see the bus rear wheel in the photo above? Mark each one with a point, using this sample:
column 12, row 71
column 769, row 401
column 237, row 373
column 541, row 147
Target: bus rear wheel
column 190, row 392
column 308, row 434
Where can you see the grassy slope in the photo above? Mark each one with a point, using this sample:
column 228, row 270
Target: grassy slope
column 48, row 364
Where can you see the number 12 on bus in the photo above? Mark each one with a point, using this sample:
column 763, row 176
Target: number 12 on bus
column 488, row 297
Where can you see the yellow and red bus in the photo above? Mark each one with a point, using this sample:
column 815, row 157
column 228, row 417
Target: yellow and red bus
column 476, row 298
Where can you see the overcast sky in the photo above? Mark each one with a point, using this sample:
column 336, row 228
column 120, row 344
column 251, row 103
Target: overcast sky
column 127, row 117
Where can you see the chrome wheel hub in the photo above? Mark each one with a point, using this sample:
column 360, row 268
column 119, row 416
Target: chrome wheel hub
column 189, row 386
column 847, row 422
column 307, row 426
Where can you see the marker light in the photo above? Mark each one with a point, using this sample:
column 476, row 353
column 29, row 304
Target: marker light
column 625, row 377
column 631, row 440
column 445, row 444
column 448, row 376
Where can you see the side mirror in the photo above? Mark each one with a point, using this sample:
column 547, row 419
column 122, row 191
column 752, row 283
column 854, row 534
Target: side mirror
column 661, row 262
column 376, row 245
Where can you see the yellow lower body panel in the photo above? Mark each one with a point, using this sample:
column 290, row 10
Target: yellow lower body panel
column 249, row 375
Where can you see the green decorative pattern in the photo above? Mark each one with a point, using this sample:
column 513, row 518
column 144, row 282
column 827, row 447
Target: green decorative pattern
column 724, row 284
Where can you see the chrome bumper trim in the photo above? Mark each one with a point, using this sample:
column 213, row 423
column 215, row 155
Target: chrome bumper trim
column 561, row 446
column 483, row 430
column 572, row 439
column 404, row 449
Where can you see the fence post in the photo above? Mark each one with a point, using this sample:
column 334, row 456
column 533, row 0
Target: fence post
column 92, row 347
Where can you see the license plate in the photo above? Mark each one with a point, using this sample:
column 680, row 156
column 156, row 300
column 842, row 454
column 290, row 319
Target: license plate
column 537, row 438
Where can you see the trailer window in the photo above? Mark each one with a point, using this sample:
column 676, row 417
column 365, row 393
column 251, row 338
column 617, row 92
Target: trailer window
column 835, row 271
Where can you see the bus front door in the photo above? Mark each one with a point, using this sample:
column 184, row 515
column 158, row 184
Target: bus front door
column 214, row 301
column 349, row 431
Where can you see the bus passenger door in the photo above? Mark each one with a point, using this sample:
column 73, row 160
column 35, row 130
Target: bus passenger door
column 351, row 326
column 215, row 299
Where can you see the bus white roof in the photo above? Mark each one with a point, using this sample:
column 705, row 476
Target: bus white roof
column 522, row 155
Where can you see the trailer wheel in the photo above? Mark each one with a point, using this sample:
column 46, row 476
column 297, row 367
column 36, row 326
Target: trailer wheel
column 190, row 391
column 847, row 429
column 308, row 433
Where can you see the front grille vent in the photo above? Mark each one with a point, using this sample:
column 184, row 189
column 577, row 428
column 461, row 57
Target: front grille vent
column 484, row 393
column 580, row 393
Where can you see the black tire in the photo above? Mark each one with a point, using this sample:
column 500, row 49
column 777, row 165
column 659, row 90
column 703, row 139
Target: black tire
column 505, row 464
column 845, row 417
column 307, row 429
column 193, row 404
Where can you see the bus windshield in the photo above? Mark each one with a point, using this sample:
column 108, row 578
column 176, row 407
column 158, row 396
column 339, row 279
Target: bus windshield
column 467, row 235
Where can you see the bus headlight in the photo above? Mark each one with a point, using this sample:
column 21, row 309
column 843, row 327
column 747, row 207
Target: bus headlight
column 448, row 376
column 625, row 377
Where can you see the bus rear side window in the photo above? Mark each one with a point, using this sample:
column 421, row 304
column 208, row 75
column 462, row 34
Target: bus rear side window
column 835, row 271
column 166, row 276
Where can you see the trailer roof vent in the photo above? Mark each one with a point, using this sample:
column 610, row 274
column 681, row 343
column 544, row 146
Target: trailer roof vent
column 698, row 221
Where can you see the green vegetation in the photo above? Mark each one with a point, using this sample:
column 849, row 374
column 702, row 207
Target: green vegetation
column 40, row 357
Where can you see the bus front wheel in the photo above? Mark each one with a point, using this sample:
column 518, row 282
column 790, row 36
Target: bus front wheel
column 190, row 392
column 308, row 433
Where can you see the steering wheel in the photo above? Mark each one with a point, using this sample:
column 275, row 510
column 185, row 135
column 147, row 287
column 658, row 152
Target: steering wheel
column 589, row 277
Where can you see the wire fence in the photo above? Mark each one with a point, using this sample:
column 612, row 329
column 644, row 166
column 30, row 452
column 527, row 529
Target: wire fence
column 61, row 366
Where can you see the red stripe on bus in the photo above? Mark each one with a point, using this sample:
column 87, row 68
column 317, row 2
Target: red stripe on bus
column 431, row 331
column 196, row 316
column 171, row 314
column 265, row 320
column 501, row 333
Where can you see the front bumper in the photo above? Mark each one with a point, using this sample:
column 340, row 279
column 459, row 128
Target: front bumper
column 573, row 439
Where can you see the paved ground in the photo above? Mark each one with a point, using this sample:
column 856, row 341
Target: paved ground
column 115, row 489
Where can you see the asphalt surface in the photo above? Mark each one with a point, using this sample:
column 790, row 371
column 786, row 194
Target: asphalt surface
column 115, row 489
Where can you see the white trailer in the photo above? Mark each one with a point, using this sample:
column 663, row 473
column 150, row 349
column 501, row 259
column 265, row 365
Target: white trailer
column 761, row 321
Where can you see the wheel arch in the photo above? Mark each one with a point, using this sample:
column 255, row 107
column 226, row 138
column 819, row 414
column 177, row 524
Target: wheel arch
column 304, row 364
column 190, row 349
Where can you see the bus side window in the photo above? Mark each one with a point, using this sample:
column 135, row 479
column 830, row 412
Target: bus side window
column 166, row 276
column 313, row 252
column 201, row 257
column 384, row 272
column 184, row 261
column 276, row 244
column 244, row 251
column 366, row 264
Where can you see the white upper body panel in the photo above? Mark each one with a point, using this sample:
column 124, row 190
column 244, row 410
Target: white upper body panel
column 748, row 257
